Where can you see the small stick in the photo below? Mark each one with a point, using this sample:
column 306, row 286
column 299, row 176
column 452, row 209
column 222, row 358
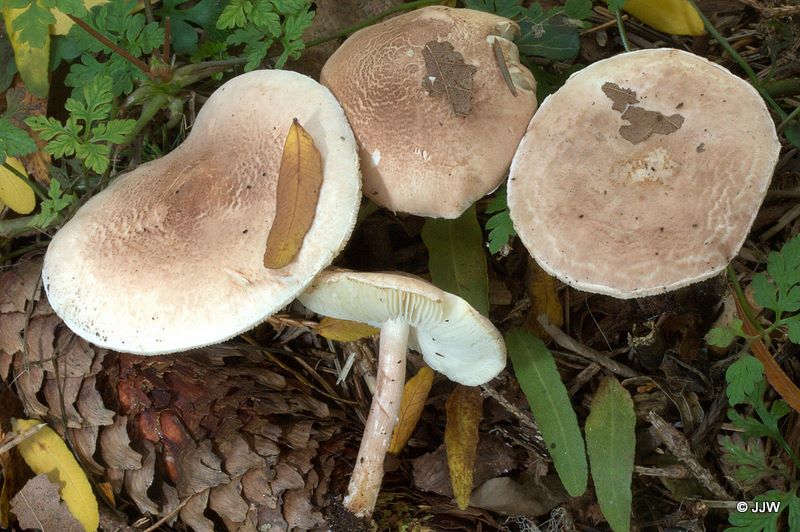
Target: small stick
column 679, row 446
column 138, row 63
column 525, row 419
column 673, row 471
column 587, row 352
column 19, row 438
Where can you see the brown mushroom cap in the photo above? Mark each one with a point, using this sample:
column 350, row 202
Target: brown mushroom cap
column 643, row 173
column 170, row 255
column 417, row 156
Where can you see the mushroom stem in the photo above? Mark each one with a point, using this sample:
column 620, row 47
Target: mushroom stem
column 362, row 493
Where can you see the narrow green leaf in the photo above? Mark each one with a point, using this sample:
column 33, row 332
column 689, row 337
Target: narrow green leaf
column 457, row 262
column 611, row 442
column 547, row 396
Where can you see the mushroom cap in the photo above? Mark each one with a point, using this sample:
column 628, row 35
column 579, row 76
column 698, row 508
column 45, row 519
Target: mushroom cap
column 417, row 155
column 642, row 174
column 170, row 256
column 454, row 338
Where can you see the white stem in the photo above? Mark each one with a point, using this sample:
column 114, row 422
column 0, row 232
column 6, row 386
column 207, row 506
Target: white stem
column 383, row 416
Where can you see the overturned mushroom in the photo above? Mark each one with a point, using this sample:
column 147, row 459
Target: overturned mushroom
column 171, row 255
column 438, row 101
column 453, row 337
column 643, row 173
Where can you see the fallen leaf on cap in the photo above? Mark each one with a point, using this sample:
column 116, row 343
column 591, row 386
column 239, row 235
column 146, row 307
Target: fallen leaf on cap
column 676, row 17
column 643, row 123
column 14, row 192
column 415, row 394
column 38, row 506
column 299, row 183
column 46, row 453
column 447, row 73
column 464, row 408
column 344, row 330
column 611, row 443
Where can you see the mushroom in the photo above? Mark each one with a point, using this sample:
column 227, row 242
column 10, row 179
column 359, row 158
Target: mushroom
column 170, row 256
column 642, row 174
column 438, row 102
column 453, row 338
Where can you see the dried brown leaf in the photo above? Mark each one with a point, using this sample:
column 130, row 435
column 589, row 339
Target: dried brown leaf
column 18, row 286
column 464, row 408
column 38, row 506
column 227, row 501
column 643, row 123
column 138, row 481
column 192, row 513
column 448, row 74
column 299, row 183
column 115, row 446
column 415, row 394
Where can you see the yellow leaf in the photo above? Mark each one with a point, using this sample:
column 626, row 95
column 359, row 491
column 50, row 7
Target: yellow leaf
column 299, row 182
column 45, row 452
column 14, row 192
column 344, row 330
column 463, row 409
column 415, row 394
column 544, row 300
column 64, row 23
column 32, row 63
column 676, row 17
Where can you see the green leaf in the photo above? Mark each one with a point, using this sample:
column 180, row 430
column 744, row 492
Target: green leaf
column 552, row 39
column 457, row 262
column 547, row 396
column 7, row 65
column 51, row 208
column 616, row 5
column 33, row 23
column 792, row 133
column 13, row 140
column 724, row 336
column 743, row 377
column 235, row 14
column 793, row 329
column 578, row 9
column 500, row 227
column 611, row 444
column 504, row 8
column 748, row 462
column 752, row 521
column 183, row 22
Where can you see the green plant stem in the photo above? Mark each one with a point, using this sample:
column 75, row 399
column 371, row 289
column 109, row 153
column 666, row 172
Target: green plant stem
column 186, row 75
column 372, row 20
column 786, row 121
column 138, row 63
column 782, row 87
column 739, row 293
column 621, row 27
column 17, row 227
column 149, row 110
column 38, row 189
column 740, row 61
column 22, row 251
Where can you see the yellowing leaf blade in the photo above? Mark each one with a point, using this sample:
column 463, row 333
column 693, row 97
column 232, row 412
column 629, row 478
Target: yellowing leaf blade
column 32, row 63
column 463, row 409
column 415, row 394
column 45, row 452
column 676, row 17
column 544, row 300
column 14, row 192
column 299, row 183
column 344, row 330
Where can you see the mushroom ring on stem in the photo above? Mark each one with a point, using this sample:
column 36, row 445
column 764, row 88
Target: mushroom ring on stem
column 454, row 339
column 171, row 255
column 643, row 173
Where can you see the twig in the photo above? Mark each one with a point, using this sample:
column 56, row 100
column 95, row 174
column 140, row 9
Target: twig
column 172, row 512
column 19, row 438
column 138, row 63
column 524, row 419
column 679, row 446
column 587, row 352
column 673, row 471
